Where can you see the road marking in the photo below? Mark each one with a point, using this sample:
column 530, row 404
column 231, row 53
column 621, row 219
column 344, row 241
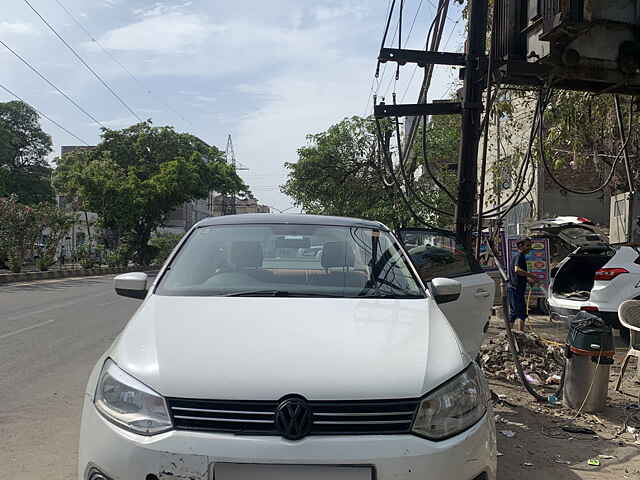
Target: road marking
column 61, row 305
column 26, row 329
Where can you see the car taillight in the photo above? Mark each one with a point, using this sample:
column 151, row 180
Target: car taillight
column 590, row 309
column 584, row 220
column 609, row 273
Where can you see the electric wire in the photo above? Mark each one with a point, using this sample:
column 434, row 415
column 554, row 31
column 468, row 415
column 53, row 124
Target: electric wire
column 607, row 181
column 385, row 151
column 120, row 64
column 437, row 27
column 415, row 67
column 44, row 115
column 375, row 82
column 88, row 67
column 52, row 85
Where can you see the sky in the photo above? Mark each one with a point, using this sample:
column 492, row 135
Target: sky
column 267, row 72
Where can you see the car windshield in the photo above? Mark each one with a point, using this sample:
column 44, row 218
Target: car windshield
column 290, row 260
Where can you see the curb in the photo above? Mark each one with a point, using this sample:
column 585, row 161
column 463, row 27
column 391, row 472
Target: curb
column 6, row 278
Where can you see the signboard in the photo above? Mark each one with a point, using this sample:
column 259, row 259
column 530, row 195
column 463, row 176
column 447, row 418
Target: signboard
column 537, row 263
column 486, row 259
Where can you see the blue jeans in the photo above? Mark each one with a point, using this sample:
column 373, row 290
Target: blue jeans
column 517, row 305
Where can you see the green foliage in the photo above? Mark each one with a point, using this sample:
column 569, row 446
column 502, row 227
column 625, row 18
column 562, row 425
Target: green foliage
column 19, row 229
column 24, row 170
column 164, row 244
column 136, row 176
column 54, row 223
column 340, row 172
column 117, row 257
column 336, row 175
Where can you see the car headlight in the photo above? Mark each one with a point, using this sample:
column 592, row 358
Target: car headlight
column 454, row 406
column 129, row 403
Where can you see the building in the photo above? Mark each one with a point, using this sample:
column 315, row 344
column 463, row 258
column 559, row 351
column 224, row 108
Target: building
column 243, row 205
column 507, row 147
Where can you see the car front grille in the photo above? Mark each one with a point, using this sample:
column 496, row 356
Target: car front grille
column 368, row 417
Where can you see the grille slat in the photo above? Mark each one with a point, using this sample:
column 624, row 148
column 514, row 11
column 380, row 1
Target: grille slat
column 367, row 417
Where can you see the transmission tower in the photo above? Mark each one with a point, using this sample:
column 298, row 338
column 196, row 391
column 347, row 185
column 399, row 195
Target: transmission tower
column 229, row 201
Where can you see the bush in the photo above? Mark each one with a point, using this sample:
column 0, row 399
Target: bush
column 85, row 256
column 164, row 245
column 117, row 257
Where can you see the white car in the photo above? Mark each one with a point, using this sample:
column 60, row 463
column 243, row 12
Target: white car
column 595, row 279
column 241, row 364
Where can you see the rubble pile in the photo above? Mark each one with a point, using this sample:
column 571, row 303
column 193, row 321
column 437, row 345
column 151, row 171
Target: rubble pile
column 541, row 361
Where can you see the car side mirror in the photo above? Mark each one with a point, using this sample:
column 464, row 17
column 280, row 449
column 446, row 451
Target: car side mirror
column 446, row 290
column 132, row 285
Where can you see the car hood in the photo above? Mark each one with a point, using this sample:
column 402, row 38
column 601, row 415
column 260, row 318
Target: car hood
column 258, row 348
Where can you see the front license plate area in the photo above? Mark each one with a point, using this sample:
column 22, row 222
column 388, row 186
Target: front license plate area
column 252, row 471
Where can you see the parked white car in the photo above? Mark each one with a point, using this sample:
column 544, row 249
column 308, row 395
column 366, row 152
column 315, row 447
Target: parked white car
column 596, row 279
column 241, row 364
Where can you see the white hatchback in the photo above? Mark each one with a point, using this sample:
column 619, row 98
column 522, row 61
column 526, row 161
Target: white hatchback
column 248, row 359
column 598, row 280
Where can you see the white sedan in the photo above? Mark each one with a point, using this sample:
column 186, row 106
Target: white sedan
column 248, row 360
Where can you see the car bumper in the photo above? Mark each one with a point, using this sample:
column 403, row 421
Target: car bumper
column 565, row 314
column 174, row 455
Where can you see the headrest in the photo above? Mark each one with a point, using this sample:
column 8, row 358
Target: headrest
column 246, row 254
column 337, row 254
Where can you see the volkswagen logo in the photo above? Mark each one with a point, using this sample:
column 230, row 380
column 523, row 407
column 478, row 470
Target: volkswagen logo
column 294, row 418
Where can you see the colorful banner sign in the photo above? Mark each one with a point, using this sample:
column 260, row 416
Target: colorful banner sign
column 537, row 263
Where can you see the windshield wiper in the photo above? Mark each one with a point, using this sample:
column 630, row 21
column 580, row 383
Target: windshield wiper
column 280, row 293
column 390, row 295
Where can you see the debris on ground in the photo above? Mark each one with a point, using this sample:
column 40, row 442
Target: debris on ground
column 582, row 430
column 508, row 433
column 594, row 462
column 540, row 359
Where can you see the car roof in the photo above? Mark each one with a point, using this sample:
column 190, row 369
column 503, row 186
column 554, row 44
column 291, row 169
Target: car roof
column 284, row 219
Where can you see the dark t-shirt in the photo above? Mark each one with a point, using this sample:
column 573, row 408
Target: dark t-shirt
column 519, row 282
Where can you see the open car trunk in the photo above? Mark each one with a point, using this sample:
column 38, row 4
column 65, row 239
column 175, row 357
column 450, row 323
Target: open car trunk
column 576, row 275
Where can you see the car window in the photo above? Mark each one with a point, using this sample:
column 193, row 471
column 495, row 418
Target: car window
column 297, row 260
column 438, row 254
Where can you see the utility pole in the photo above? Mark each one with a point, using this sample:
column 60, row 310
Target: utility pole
column 474, row 74
column 475, row 71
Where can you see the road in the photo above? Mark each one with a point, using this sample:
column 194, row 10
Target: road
column 51, row 334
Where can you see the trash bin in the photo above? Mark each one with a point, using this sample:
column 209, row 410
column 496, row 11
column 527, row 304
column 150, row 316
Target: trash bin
column 589, row 355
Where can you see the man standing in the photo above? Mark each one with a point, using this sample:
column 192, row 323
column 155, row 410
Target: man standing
column 520, row 276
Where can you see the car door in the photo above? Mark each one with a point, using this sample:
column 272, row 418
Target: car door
column 436, row 253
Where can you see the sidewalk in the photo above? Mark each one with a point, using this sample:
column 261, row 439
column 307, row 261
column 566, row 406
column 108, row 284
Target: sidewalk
column 71, row 270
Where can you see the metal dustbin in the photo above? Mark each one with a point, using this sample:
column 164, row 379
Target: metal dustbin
column 589, row 355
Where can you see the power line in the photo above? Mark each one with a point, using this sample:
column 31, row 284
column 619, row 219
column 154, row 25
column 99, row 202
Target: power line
column 121, row 65
column 79, row 57
column 376, row 80
column 42, row 114
column 413, row 23
column 51, row 84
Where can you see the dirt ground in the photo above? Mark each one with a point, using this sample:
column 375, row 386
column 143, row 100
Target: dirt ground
column 540, row 449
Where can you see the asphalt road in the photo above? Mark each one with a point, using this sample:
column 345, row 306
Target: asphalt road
column 51, row 334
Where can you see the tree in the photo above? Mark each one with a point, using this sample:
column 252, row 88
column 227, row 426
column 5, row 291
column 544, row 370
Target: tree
column 24, row 170
column 54, row 224
column 342, row 172
column 136, row 176
column 335, row 175
column 19, row 230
